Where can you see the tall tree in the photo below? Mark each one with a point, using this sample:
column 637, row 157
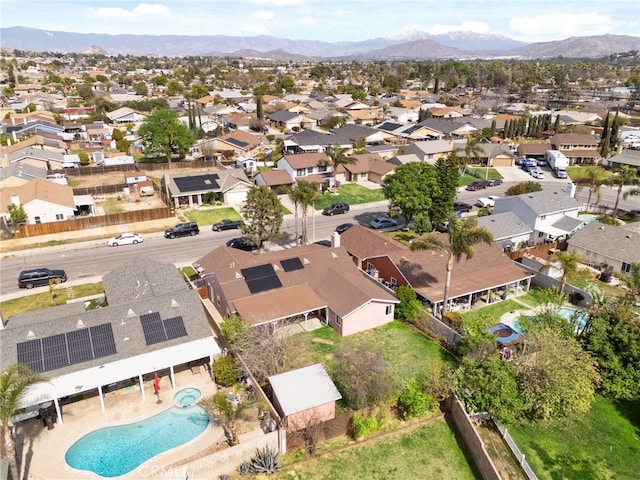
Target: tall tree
column 162, row 133
column 604, row 149
column 338, row 156
column 308, row 194
column 15, row 381
column 259, row 110
column 448, row 177
column 597, row 176
column 623, row 177
column 569, row 263
column 410, row 190
column 462, row 235
column 472, row 149
column 262, row 214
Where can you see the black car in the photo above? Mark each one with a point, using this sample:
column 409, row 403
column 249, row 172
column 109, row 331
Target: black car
column 495, row 182
column 182, row 230
column 226, row 224
column 336, row 208
column 324, row 243
column 36, row 277
column 479, row 185
column 462, row 207
column 343, row 227
column 242, row 243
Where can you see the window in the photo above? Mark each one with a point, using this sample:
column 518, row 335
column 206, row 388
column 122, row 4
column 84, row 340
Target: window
column 388, row 310
column 540, row 234
column 626, row 267
column 301, row 172
column 542, row 217
column 338, row 320
column 322, row 168
column 37, row 220
column 394, row 282
column 59, row 216
column 370, row 267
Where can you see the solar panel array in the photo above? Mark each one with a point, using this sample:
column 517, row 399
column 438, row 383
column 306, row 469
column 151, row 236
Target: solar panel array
column 261, row 278
column 70, row 348
column 157, row 330
column 291, row 264
column 236, row 142
column 389, row 126
column 198, row 182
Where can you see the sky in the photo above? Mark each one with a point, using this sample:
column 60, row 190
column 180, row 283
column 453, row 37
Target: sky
column 329, row 20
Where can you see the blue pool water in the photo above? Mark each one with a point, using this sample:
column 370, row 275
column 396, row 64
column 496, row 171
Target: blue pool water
column 114, row 451
column 578, row 318
column 187, row 397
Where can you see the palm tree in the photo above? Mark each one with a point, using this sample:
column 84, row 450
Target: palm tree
column 229, row 412
column 338, row 156
column 597, row 176
column 625, row 176
column 472, row 149
column 308, row 193
column 569, row 262
column 15, row 380
column 462, row 235
column 294, row 195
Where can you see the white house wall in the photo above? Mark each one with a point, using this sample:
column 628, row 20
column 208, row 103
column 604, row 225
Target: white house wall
column 47, row 211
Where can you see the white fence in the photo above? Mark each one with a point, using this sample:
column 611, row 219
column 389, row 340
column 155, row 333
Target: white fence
column 517, row 453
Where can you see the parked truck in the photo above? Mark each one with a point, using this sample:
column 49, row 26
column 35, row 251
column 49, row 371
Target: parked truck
column 226, row 224
column 557, row 162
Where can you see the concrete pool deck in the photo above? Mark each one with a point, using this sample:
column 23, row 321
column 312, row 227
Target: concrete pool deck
column 43, row 451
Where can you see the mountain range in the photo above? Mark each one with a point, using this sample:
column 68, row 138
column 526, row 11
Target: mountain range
column 411, row 45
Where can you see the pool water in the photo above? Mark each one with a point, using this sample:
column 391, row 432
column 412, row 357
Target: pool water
column 187, row 397
column 114, row 451
column 571, row 315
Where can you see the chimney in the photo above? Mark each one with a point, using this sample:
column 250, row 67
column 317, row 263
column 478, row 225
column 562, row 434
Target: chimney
column 335, row 240
column 571, row 189
column 15, row 199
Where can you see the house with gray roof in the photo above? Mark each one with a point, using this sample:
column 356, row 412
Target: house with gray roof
column 153, row 322
column 18, row 173
column 552, row 214
column 429, row 151
column 508, row 230
column 605, row 246
column 629, row 157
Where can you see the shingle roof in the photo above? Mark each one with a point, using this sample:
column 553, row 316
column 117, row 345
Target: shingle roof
column 542, row 203
column 306, row 160
column 504, row 225
column 607, row 240
column 274, row 178
column 39, row 189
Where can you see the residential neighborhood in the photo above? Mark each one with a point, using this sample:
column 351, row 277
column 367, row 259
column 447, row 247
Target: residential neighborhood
column 404, row 257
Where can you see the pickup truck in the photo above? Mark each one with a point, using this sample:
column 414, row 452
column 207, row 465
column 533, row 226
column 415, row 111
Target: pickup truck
column 226, row 224
column 487, row 202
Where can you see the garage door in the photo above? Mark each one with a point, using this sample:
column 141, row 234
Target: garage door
column 502, row 162
column 235, row 197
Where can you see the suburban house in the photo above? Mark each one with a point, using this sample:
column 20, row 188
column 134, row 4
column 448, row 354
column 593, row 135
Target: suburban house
column 154, row 323
column 508, row 230
column 494, row 155
column 448, row 128
column 579, row 148
column 406, row 131
column 536, row 151
column 43, row 201
column 553, row 215
column 125, row 115
column 237, row 143
column 273, row 178
column 368, row 167
column 607, row 246
column 304, row 396
column 231, row 187
column 291, row 120
column 38, row 157
column 628, row 157
column 429, row 151
column 310, row 167
column 295, row 285
column 488, row 273
column 16, row 174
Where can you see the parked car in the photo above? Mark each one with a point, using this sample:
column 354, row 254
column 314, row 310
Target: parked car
column 462, row 207
column 340, row 207
column 478, row 185
column 242, row 243
column 530, row 168
column 324, row 243
column 494, row 182
column 226, row 224
column 125, row 239
column 343, row 227
column 182, row 230
column 36, row 277
column 487, row 202
column 383, row 222
column 539, row 174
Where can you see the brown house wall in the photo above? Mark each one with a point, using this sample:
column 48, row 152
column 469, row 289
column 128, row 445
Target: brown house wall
column 386, row 269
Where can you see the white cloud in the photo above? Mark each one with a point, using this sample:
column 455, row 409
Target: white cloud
column 468, row 26
column 559, row 26
column 264, row 15
column 280, row 3
column 306, row 20
column 152, row 9
column 105, row 13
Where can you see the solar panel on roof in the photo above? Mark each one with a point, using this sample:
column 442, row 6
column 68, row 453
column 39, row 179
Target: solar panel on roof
column 291, row 264
column 30, row 353
column 198, row 182
column 237, row 143
column 412, row 129
column 102, row 340
column 389, row 126
column 261, row 278
column 54, row 352
column 153, row 328
column 79, row 345
column 175, row 328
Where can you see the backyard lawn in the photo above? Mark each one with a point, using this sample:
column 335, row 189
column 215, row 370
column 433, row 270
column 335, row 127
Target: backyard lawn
column 351, row 193
column 604, row 444
column 428, row 451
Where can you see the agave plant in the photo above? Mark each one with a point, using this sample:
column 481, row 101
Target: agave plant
column 265, row 461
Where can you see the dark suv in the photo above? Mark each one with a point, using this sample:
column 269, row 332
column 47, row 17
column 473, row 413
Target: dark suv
column 182, row 230
column 340, row 207
column 479, row 185
column 242, row 243
column 40, row 276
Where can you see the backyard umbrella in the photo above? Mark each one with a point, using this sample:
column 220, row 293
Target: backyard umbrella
column 156, row 386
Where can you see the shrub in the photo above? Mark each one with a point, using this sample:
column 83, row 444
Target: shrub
column 576, row 297
column 483, row 212
column 414, row 401
column 226, row 371
column 265, row 461
column 363, row 426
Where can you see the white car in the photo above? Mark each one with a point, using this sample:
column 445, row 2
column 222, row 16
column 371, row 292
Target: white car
column 487, row 202
column 538, row 174
column 125, row 239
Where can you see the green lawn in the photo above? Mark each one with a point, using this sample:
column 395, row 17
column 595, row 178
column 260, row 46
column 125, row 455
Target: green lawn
column 486, row 316
column 604, row 444
column 467, row 178
column 576, row 172
column 407, row 351
column 351, row 193
column 428, row 451
column 213, row 215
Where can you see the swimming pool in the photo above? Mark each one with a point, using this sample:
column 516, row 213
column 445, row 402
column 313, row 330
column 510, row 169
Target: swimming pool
column 571, row 315
column 114, row 451
column 187, row 397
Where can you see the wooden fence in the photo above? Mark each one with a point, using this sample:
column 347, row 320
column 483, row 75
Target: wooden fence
column 82, row 223
column 138, row 166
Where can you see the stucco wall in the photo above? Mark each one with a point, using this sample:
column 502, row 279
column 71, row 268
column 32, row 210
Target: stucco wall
column 317, row 414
